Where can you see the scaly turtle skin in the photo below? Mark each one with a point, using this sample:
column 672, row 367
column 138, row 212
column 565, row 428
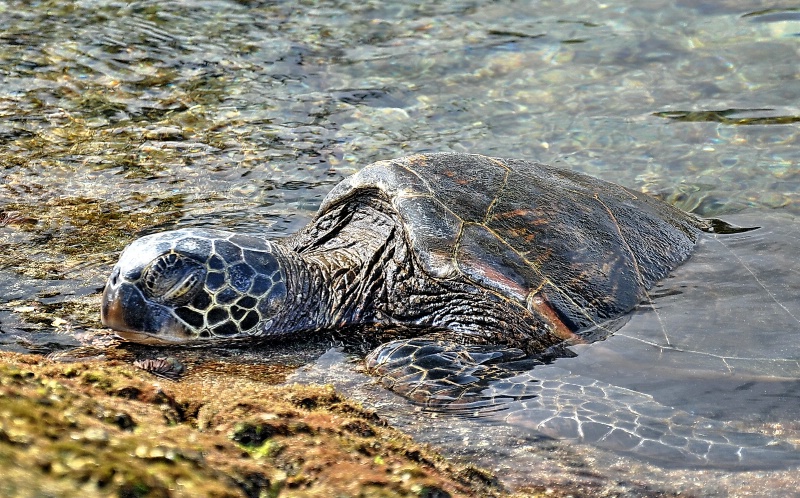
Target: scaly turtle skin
column 480, row 249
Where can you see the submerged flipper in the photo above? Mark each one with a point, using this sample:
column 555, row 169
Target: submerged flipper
column 467, row 379
column 481, row 381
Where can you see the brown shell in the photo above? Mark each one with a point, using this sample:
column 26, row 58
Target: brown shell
column 543, row 237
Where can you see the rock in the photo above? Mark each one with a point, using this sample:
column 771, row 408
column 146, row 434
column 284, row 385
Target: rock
column 105, row 428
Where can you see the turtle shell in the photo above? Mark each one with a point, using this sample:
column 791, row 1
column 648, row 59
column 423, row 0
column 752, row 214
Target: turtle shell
column 548, row 239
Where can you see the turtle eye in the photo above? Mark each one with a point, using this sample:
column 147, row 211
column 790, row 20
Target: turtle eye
column 173, row 279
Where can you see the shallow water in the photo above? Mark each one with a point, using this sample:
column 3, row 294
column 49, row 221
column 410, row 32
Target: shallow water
column 121, row 119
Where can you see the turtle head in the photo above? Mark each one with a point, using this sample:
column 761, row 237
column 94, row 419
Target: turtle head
column 194, row 284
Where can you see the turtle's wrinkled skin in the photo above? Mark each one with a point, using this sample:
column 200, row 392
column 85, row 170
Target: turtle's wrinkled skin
column 484, row 250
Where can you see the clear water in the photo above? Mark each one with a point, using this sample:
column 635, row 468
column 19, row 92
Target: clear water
column 122, row 118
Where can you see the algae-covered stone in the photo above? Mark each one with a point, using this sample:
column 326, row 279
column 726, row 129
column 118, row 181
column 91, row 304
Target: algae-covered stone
column 101, row 428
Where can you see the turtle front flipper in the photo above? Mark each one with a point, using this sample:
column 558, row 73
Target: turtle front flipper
column 502, row 383
column 456, row 378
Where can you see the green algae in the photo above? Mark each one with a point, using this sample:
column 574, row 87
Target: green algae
column 99, row 429
column 75, row 226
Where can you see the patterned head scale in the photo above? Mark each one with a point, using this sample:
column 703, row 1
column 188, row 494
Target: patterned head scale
column 194, row 284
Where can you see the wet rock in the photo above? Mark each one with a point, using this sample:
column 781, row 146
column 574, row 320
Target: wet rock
column 164, row 133
column 106, row 428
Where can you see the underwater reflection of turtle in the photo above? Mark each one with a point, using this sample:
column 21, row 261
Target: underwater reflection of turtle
column 465, row 269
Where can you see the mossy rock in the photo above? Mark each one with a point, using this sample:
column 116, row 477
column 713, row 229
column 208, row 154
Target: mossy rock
column 101, row 428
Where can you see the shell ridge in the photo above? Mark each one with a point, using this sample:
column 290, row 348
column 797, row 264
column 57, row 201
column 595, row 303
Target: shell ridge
column 399, row 164
column 628, row 248
column 569, row 299
column 545, row 279
column 503, row 241
column 457, row 244
column 500, row 193
column 460, row 231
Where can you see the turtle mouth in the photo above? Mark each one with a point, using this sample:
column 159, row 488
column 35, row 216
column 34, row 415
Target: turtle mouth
column 136, row 319
column 145, row 338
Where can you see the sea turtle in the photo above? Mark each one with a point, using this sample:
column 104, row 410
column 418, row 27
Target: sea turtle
column 485, row 250
column 491, row 260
